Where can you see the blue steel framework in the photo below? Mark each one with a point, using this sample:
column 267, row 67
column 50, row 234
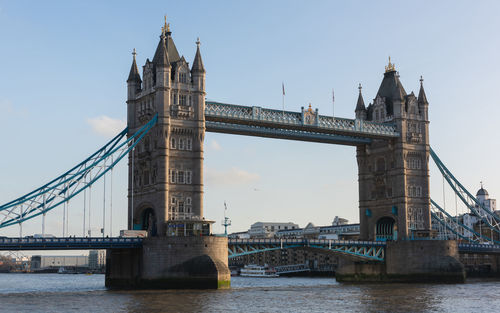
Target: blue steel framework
column 68, row 185
column 456, row 229
column 451, row 227
column 366, row 250
column 472, row 203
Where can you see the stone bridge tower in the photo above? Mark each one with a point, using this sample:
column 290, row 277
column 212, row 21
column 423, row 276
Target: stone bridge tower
column 166, row 180
column 394, row 200
column 166, row 168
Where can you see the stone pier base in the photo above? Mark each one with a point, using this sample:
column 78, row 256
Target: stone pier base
column 170, row 263
column 408, row 261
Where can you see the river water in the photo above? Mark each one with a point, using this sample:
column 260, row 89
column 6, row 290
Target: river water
column 82, row 293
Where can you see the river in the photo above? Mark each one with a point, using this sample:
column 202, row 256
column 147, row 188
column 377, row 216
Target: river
column 83, row 293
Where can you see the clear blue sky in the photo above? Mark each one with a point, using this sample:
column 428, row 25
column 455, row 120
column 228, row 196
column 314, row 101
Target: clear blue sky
column 64, row 66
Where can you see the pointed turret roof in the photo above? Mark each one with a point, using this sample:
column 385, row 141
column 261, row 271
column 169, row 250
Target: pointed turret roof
column 173, row 54
column 134, row 72
column 360, row 106
column 161, row 54
column 198, row 62
column 422, row 98
column 391, row 88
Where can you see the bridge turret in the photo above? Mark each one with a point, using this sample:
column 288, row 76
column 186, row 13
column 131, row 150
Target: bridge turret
column 423, row 104
column 134, row 79
column 198, row 78
column 162, row 63
column 360, row 106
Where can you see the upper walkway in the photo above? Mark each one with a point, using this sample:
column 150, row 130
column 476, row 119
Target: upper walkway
column 307, row 125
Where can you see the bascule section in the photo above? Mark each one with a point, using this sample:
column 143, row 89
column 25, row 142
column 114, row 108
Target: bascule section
column 394, row 200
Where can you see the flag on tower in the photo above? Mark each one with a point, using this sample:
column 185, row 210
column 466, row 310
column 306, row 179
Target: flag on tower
column 283, row 87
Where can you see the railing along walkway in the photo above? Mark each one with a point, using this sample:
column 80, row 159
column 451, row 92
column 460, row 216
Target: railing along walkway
column 307, row 120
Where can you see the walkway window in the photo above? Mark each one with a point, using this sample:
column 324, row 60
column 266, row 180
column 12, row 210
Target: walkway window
column 173, row 143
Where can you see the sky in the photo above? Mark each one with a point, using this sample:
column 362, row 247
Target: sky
column 64, row 66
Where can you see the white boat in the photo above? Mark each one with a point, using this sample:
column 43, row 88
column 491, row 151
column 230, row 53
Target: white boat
column 253, row 270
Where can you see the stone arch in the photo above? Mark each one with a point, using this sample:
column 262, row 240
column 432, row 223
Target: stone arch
column 145, row 218
column 385, row 229
column 148, row 222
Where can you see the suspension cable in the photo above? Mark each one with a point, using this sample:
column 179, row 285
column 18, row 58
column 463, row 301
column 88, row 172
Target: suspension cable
column 111, row 203
column 104, row 205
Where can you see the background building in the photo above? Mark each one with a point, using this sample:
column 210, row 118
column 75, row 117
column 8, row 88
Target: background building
column 97, row 259
column 41, row 262
column 268, row 230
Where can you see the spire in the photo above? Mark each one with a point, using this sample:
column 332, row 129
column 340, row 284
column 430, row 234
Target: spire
column 134, row 72
column 391, row 67
column 360, row 106
column 198, row 63
column 161, row 55
column 422, row 98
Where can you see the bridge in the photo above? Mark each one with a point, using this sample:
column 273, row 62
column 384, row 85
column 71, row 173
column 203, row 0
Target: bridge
column 167, row 117
column 68, row 243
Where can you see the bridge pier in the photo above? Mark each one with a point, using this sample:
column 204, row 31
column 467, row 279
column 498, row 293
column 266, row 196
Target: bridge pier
column 170, row 263
column 413, row 261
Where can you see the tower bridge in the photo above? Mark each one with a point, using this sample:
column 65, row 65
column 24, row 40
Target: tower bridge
column 167, row 117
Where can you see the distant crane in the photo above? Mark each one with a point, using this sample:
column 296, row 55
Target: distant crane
column 226, row 222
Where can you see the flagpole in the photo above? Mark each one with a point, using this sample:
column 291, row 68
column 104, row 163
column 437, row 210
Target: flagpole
column 283, row 98
column 333, row 105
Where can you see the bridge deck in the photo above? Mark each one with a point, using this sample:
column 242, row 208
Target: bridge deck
column 262, row 122
column 475, row 248
column 73, row 243
column 367, row 250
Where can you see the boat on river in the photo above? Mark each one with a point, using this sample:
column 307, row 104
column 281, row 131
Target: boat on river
column 253, row 270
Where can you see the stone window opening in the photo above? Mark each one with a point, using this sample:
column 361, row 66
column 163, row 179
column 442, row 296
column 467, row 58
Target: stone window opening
column 182, row 100
column 188, row 204
column 172, row 174
column 180, row 177
column 183, row 77
column 189, row 177
column 173, row 143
